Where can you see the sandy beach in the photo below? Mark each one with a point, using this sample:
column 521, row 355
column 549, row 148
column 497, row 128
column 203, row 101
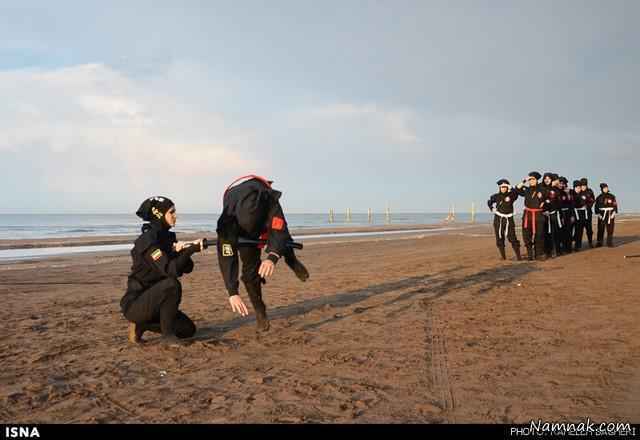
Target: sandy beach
column 413, row 328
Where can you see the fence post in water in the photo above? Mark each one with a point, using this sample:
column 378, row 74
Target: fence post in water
column 388, row 215
column 473, row 212
column 348, row 215
column 370, row 216
column 330, row 215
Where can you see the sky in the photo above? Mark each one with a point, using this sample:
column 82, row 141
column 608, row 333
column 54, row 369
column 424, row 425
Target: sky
column 415, row 105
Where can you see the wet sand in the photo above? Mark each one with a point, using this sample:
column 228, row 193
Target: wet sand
column 125, row 239
column 417, row 328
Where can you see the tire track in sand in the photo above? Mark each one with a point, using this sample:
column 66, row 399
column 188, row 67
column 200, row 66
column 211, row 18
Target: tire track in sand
column 436, row 361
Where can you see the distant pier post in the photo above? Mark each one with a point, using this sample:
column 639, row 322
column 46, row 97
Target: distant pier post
column 388, row 215
column 370, row 216
column 348, row 215
column 331, row 219
column 473, row 212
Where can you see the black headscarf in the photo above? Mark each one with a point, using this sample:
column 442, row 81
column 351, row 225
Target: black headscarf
column 154, row 209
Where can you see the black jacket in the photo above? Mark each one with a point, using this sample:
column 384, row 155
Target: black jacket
column 606, row 200
column 580, row 200
column 154, row 260
column 533, row 196
column 503, row 202
column 252, row 209
column 591, row 198
column 553, row 199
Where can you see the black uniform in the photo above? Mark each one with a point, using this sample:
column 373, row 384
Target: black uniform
column 153, row 290
column 580, row 210
column 606, row 207
column 532, row 220
column 591, row 199
column 501, row 204
column 252, row 210
column 553, row 221
column 566, row 209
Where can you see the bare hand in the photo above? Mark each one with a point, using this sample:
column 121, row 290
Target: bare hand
column 237, row 305
column 266, row 269
column 179, row 246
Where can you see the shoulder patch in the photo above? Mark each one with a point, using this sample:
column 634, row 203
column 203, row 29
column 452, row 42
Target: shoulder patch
column 277, row 223
column 227, row 250
column 156, row 255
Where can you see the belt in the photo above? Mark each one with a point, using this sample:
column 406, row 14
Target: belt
column 580, row 209
column 506, row 225
column 558, row 220
column 533, row 218
column 608, row 213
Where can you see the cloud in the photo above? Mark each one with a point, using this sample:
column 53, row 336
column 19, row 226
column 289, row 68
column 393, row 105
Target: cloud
column 95, row 112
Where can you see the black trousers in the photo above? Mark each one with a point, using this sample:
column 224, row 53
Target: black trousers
column 609, row 225
column 588, row 225
column 250, row 257
column 553, row 234
column 156, row 309
column 566, row 235
column 533, row 241
column 580, row 225
column 505, row 228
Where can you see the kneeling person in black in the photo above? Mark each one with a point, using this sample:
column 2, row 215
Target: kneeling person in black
column 153, row 290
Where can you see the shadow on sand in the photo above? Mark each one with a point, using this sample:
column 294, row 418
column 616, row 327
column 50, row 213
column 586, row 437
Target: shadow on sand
column 425, row 287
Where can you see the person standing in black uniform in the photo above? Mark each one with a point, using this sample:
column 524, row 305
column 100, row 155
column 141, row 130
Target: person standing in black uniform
column 532, row 219
column 568, row 219
column 580, row 210
column 606, row 209
column 252, row 210
column 553, row 215
column 591, row 199
column 153, row 290
column 545, row 185
column 501, row 204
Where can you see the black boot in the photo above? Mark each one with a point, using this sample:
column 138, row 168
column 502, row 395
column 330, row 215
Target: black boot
column 610, row 242
column 503, row 254
column 530, row 253
column 516, row 249
column 135, row 333
column 254, row 290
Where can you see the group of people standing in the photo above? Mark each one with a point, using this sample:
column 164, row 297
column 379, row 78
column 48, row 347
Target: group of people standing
column 555, row 216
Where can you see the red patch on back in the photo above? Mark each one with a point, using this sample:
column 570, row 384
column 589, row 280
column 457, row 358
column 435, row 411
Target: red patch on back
column 277, row 224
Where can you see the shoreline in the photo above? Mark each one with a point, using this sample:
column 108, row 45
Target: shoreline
column 102, row 240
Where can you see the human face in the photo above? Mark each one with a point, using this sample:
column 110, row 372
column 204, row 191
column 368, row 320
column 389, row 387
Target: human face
column 578, row 189
column 170, row 217
column 583, row 187
column 605, row 189
column 547, row 180
column 504, row 189
column 533, row 181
